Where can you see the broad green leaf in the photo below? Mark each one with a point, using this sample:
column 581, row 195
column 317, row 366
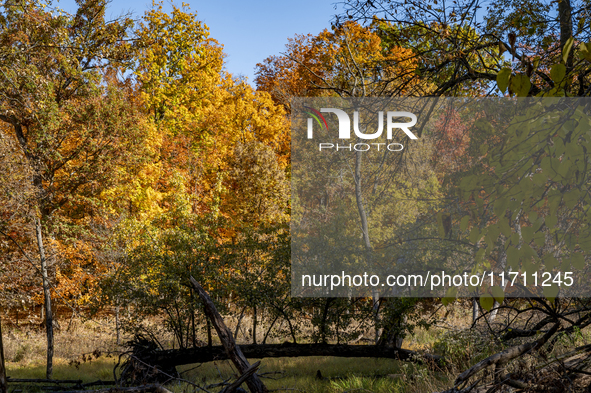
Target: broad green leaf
column 550, row 262
column 487, row 301
column 539, row 239
column 527, row 233
column 474, row 235
column 577, row 260
column 503, row 79
column 493, row 232
column 464, row 223
column 551, row 221
column 529, row 253
column 498, row 293
column 539, row 179
column 520, row 85
column 585, row 51
column 529, row 267
column 554, row 202
column 571, row 198
column 538, row 223
column 563, row 168
column 585, row 243
column 480, row 254
column 566, row 49
column 501, row 206
column 557, row 73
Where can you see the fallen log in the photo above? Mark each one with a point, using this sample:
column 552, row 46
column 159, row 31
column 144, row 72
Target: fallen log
column 503, row 357
column 178, row 357
column 232, row 350
column 154, row 388
column 42, row 380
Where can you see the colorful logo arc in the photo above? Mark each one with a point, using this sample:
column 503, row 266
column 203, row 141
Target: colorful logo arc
column 316, row 115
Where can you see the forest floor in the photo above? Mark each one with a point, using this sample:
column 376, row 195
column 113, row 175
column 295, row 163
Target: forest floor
column 87, row 350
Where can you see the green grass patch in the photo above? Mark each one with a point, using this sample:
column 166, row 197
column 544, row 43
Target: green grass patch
column 101, row 368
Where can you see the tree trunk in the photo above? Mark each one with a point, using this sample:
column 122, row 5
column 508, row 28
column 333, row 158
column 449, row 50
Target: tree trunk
column 366, row 240
column 254, row 324
column 117, row 327
column 3, row 383
column 323, row 320
column 566, row 26
column 502, row 264
column 47, row 298
column 237, row 330
column 232, row 350
column 269, row 330
column 209, row 337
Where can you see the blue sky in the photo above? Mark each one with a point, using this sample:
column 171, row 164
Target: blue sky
column 249, row 30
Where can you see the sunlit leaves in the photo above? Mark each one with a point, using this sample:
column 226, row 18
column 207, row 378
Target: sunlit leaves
column 520, row 85
column 351, row 60
column 558, row 72
column 503, row 79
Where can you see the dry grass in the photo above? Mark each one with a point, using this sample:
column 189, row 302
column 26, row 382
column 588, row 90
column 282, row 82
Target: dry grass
column 25, row 355
column 27, row 345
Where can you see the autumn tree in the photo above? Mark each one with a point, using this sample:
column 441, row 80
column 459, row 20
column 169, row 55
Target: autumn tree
column 199, row 109
column 73, row 125
column 349, row 61
column 221, row 156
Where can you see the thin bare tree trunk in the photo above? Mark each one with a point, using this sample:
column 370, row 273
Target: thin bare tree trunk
column 366, row 240
column 117, row 326
column 254, row 324
column 3, row 382
column 237, row 330
column 47, row 298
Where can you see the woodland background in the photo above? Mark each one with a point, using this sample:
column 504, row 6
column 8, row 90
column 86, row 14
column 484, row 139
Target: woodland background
column 130, row 161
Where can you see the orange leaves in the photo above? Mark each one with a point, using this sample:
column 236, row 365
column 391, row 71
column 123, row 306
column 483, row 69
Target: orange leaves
column 349, row 61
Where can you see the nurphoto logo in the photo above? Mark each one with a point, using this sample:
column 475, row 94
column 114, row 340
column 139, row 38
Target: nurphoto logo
column 392, row 123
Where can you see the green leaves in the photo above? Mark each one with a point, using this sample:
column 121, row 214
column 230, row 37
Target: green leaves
column 566, row 49
column 585, row 51
column 520, row 85
column 533, row 189
column 503, row 79
column 557, row 73
column 487, row 301
column 498, row 294
column 464, row 223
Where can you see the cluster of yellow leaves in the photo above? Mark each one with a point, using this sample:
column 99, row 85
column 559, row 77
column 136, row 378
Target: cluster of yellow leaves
column 200, row 112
